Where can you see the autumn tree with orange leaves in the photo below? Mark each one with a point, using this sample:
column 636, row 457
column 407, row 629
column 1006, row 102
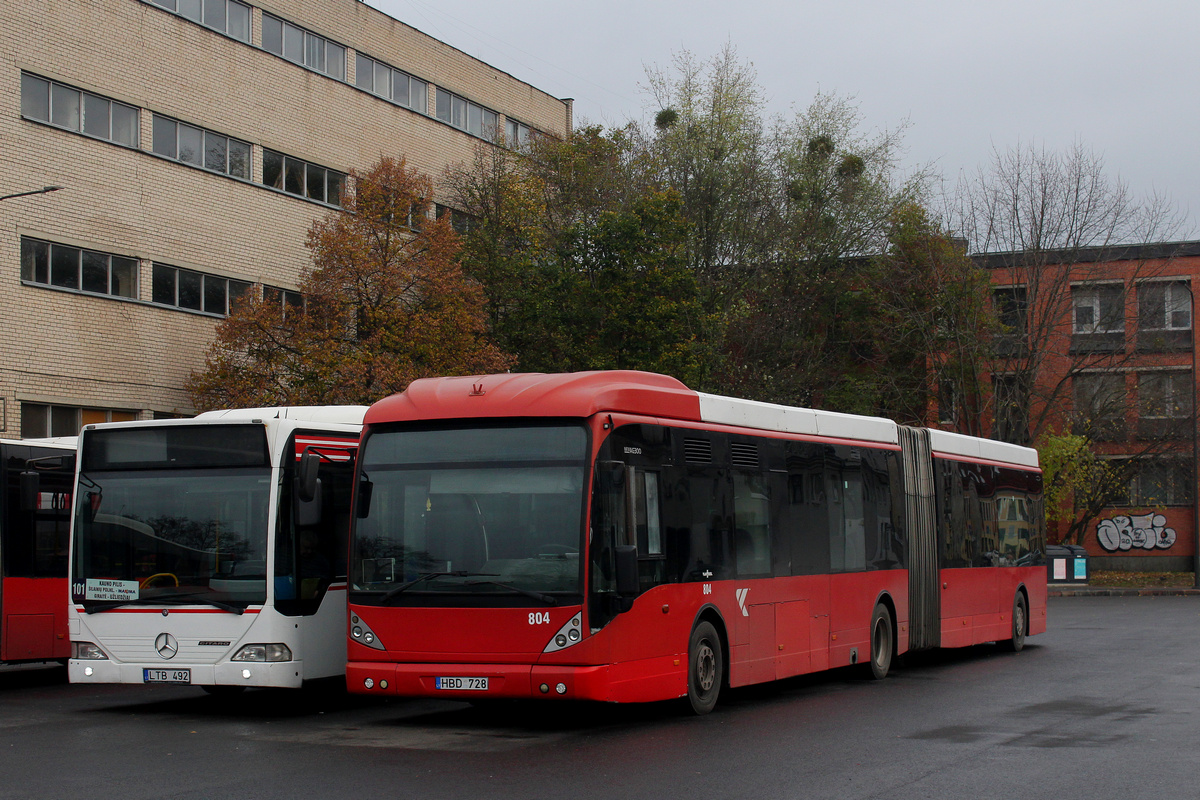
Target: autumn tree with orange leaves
column 385, row 302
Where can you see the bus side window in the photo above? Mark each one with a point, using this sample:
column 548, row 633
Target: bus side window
column 645, row 526
column 752, row 525
column 647, row 517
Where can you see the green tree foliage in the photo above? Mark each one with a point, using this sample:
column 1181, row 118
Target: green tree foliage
column 1078, row 483
column 934, row 327
column 385, row 302
column 804, row 331
column 584, row 263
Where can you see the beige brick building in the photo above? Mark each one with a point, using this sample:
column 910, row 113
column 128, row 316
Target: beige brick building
column 196, row 141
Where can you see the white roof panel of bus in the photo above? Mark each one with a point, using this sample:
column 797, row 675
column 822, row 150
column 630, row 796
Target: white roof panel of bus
column 786, row 419
column 955, row 444
column 346, row 415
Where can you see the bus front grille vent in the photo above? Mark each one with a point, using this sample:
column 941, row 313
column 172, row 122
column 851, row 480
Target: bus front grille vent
column 697, row 451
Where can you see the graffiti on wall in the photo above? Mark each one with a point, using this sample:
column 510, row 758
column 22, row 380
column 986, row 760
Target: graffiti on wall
column 1135, row 532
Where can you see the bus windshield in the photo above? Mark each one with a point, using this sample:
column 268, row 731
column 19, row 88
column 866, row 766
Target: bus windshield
column 476, row 513
column 166, row 515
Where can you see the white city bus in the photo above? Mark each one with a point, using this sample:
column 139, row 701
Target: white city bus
column 212, row 551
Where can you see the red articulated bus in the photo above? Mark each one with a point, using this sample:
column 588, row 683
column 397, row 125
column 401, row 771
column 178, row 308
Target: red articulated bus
column 34, row 528
column 616, row 536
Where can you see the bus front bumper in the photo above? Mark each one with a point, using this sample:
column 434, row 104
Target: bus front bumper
column 284, row 674
column 480, row 681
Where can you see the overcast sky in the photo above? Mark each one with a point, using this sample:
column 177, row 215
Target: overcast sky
column 1119, row 76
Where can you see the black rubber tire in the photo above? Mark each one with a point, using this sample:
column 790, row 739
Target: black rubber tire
column 1020, row 624
column 883, row 640
column 706, row 668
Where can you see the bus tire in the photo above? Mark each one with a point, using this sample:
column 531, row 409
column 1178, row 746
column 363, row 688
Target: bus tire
column 706, row 668
column 882, row 640
column 1020, row 621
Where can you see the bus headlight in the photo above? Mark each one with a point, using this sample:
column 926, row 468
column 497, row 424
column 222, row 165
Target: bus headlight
column 567, row 635
column 87, row 651
column 361, row 632
column 263, row 652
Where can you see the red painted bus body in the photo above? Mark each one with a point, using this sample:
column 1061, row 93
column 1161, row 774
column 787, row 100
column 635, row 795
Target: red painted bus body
column 33, row 551
column 783, row 529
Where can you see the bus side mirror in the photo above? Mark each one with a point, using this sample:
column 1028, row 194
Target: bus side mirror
column 363, row 502
column 31, row 488
column 627, row 571
column 308, row 512
column 306, row 478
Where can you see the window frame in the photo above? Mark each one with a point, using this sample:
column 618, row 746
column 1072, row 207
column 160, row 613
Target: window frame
column 1092, row 297
column 374, row 66
column 78, row 121
column 205, row 133
column 1175, row 392
column 78, row 287
column 516, row 133
column 172, row 7
column 308, row 47
column 205, row 278
column 457, row 108
column 287, row 163
column 1182, row 304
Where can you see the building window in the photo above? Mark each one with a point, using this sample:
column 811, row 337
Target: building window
column 1099, row 309
column 467, row 116
column 61, row 267
column 39, row 420
column 1099, row 405
column 516, row 134
column 286, row 299
column 227, row 16
column 391, row 84
column 1161, row 482
column 196, row 291
column 1165, row 306
column 947, row 402
column 201, row 148
column 1164, row 405
column 76, row 110
column 1165, row 394
column 1012, row 409
column 460, row 221
column 1012, row 308
column 302, row 179
column 298, row 45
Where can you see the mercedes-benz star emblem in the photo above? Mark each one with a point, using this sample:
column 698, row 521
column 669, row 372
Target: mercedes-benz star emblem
column 166, row 646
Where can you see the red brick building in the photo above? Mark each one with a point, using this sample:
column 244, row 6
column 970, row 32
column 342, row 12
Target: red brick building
column 1099, row 341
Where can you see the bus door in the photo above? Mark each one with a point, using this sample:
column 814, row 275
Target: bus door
column 311, row 545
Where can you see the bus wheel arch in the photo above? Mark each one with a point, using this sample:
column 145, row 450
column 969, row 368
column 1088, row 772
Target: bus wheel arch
column 708, row 660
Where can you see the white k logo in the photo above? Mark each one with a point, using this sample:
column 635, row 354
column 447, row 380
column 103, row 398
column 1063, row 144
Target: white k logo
column 741, row 598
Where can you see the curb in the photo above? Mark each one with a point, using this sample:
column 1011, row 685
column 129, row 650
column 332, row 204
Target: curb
column 1090, row 591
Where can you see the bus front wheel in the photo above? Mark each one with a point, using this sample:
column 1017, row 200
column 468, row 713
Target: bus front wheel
column 881, row 642
column 706, row 668
column 1020, row 616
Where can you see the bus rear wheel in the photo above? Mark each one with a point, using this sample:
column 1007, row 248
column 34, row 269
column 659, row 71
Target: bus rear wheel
column 1020, row 618
column 706, row 668
column 881, row 642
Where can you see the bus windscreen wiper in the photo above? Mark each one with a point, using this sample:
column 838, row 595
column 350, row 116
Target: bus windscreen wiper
column 458, row 573
column 171, row 599
column 545, row 598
